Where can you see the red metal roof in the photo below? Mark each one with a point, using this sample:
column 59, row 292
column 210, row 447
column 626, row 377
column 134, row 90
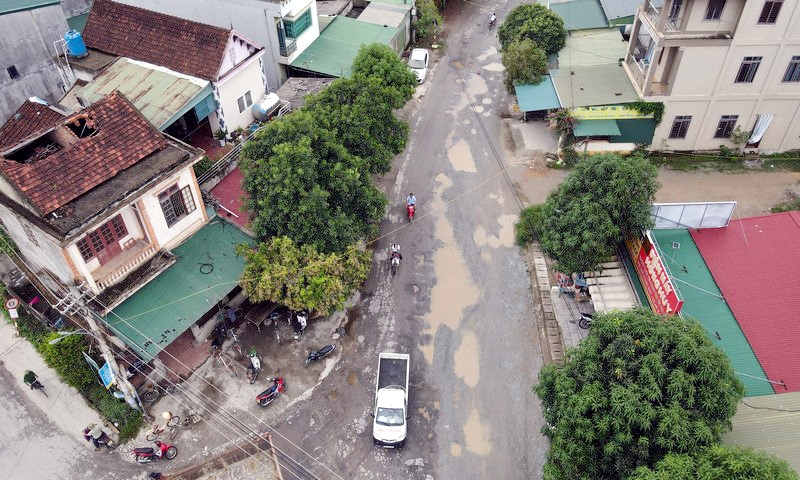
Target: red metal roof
column 181, row 45
column 756, row 263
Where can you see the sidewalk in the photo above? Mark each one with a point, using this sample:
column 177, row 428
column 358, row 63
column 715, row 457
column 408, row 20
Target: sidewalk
column 63, row 405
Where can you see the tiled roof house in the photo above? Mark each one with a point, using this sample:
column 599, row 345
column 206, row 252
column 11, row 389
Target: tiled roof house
column 92, row 196
column 229, row 61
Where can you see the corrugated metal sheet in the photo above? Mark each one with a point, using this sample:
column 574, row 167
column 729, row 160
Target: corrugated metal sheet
column 601, row 46
column 9, row 6
column 593, row 85
column 771, row 424
column 541, row 96
column 156, row 92
column 703, row 301
column 580, row 14
column 615, row 9
column 756, row 263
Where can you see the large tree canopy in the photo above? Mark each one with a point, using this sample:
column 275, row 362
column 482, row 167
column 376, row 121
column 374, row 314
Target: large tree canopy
column 602, row 199
column 358, row 111
column 303, row 183
column 380, row 62
column 300, row 277
column 718, row 462
column 638, row 387
column 525, row 64
column 536, row 22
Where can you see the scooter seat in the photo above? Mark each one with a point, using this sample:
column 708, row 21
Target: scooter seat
column 143, row 451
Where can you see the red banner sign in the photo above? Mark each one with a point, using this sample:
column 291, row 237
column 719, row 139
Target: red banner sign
column 655, row 279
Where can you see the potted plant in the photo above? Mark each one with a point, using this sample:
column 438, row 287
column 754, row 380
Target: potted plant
column 220, row 135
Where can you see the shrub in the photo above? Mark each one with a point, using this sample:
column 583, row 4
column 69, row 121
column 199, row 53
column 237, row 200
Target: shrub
column 527, row 229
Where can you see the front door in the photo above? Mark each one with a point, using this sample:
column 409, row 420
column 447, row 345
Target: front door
column 103, row 243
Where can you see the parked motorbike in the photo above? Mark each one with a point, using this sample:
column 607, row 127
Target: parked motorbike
column 255, row 366
column 95, row 434
column 269, row 395
column 410, row 210
column 585, row 321
column 321, row 353
column 147, row 454
column 394, row 258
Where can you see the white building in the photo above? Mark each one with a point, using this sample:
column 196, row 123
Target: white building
column 717, row 65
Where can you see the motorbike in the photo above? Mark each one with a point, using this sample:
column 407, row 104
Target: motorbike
column 147, row 454
column 321, row 353
column 300, row 325
column 585, row 321
column 394, row 258
column 255, row 366
column 269, row 395
column 100, row 437
column 410, row 210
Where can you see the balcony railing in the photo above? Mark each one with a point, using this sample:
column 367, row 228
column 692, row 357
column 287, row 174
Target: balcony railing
column 289, row 47
column 122, row 264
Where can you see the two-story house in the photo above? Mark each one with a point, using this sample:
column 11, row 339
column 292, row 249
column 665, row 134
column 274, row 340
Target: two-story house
column 231, row 63
column 717, row 65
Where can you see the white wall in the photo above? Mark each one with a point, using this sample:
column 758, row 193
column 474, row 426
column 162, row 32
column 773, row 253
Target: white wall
column 233, row 87
column 169, row 237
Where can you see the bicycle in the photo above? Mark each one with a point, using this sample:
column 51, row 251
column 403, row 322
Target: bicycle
column 217, row 352
column 154, row 391
column 237, row 345
column 32, row 381
column 172, row 422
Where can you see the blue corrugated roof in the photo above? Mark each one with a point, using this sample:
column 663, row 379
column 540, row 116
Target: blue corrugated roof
column 541, row 96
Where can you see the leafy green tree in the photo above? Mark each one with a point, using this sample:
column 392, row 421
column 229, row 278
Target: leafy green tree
column 380, row 62
column 428, row 18
column 66, row 358
column 603, row 198
column 529, row 225
column 359, row 111
column 302, row 183
column 536, row 22
column 718, row 462
column 638, row 387
column 525, row 64
column 300, row 277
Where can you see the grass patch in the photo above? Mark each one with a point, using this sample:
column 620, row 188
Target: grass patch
column 790, row 204
column 725, row 161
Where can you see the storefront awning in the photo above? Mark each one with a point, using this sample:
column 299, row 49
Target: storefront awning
column 596, row 128
column 541, row 96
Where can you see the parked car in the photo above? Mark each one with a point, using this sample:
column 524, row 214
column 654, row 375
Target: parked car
column 418, row 63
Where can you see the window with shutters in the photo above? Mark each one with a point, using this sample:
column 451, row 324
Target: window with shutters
column 176, row 203
column 97, row 241
column 748, row 69
column 793, row 70
column 680, row 125
column 769, row 12
column 725, row 126
column 714, row 9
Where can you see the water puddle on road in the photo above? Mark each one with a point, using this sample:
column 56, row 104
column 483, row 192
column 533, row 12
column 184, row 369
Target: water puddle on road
column 466, row 362
column 455, row 449
column 476, row 434
column 476, row 85
column 494, row 67
column 454, row 289
column 504, row 237
column 460, row 157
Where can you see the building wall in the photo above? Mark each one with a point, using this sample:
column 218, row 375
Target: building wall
column 75, row 7
column 254, row 19
column 233, row 87
column 703, row 84
column 165, row 236
column 27, row 43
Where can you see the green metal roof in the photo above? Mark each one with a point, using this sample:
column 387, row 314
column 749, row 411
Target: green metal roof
column 769, row 423
column 580, row 14
column 541, row 96
column 703, row 301
column 635, row 130
column 591, row 85
column 333, row 52
column 595, row 128
column 78, row 22
column 10, row 6
column 600, row 46
column 159, row 94
column 207, row 269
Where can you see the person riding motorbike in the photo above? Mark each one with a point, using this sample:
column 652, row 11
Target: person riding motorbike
column 92, row 433
column 411, row 200
column 492, row 20
column 394, row 252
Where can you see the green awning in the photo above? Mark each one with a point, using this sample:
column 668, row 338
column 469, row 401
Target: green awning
column 596, row 128
column 541, row 96
column 206, row 270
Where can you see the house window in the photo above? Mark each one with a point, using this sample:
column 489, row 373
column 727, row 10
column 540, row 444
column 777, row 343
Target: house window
column 29, row 234
column 714, row 10
column 13, row 72
column 176, row 203
column 793, row 70
column 748, row 69
column 679, row 126
column 95, row 242
column 297, row 26
column 245, row 101
column 725, row 126
column 769, row 13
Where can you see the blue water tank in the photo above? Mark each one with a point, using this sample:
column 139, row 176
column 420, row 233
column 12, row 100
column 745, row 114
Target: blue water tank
column 75, row 46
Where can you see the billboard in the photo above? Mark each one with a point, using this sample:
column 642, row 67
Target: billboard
column 655, row 279
column 607, row 112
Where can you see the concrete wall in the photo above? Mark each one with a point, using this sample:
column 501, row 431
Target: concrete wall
column 169, row 237
column 230, row 89
column 72, row 8
column 254, row 19
column 27, row 43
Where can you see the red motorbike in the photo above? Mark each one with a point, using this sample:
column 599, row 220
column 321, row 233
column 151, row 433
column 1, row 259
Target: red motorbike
column 147, row 455
column 410, row 209
column 269, row 395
